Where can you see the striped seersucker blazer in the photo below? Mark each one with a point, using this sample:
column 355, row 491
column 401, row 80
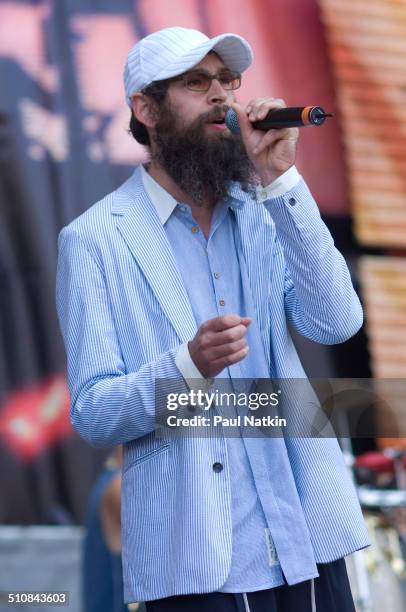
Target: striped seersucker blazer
column 124, row 312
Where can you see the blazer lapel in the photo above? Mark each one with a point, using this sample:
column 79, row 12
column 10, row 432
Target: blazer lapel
column 140, row 227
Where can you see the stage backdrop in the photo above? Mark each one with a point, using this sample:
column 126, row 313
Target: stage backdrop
column 63, row 145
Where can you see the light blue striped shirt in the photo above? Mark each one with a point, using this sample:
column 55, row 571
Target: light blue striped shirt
column 212, row 275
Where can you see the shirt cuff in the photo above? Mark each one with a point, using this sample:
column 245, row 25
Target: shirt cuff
column 285, row 182
column 186, row 366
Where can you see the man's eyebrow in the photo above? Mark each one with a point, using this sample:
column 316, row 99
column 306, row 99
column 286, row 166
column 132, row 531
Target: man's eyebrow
column 198, row 71
column 203, row 71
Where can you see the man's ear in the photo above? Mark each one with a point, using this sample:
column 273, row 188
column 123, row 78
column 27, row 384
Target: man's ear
column 144, row 109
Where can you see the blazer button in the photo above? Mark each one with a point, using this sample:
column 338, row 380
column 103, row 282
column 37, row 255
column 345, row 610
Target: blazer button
column 217, row 467
column 292, row 201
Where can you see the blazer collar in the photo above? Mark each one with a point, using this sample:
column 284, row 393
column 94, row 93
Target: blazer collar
column 140, row 226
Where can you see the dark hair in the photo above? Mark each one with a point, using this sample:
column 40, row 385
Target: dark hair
column 157, row 92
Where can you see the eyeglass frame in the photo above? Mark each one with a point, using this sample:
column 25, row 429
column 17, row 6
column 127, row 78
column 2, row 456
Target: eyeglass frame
column 210, row 77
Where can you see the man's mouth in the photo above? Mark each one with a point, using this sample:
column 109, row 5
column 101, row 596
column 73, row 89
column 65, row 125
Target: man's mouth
column 218, row 123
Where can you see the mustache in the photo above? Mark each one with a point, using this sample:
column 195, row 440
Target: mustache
column 215, row 114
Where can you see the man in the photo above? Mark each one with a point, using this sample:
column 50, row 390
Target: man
column 188, row 271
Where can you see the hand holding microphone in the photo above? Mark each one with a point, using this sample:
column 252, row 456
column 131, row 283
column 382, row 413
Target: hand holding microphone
column 271, row 152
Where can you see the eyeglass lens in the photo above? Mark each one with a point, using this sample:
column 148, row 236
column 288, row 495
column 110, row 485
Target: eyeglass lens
column 201, row 81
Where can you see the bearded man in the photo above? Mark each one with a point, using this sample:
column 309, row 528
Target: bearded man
column 192, row 271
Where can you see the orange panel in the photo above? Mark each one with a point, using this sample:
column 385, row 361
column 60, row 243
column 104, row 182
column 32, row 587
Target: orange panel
column 367, row 45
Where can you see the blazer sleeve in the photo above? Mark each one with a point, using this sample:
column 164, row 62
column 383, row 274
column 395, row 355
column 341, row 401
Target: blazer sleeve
column 320, row 301
column 109, row 405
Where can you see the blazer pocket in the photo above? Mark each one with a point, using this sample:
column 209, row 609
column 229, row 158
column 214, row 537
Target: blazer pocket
column 149, row 455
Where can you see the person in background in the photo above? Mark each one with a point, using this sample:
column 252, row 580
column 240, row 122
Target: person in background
column 102, row 567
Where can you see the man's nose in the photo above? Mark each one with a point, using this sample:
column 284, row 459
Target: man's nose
column 217, row 93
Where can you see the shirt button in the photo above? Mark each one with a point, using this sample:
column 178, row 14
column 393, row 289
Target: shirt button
column 216, row 275
column 217, row 467
column 222, row 302
column 195, row 229
column 292, row 201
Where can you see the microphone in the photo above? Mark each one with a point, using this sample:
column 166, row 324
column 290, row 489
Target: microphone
column 278, row 118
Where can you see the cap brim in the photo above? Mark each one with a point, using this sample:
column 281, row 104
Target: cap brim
column 234, row 50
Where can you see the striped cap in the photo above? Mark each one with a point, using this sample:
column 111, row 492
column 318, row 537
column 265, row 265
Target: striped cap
column 173, row 51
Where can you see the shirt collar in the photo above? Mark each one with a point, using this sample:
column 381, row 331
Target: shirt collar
column 164, row 203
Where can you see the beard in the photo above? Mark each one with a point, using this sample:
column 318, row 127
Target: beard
column 201, row 166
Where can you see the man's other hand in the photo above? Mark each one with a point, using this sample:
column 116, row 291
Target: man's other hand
column 219, row 343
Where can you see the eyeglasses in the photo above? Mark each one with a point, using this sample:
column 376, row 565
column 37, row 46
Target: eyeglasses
column 200, row 80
